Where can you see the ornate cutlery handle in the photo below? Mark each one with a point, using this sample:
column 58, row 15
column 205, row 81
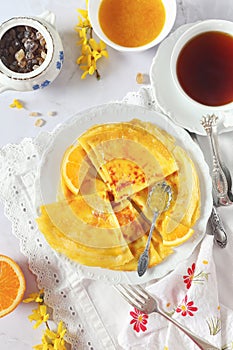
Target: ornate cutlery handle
column 218, row 229
column 220, row 185
column 144, row 257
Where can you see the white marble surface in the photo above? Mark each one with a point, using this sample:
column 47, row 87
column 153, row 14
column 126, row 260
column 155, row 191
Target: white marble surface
column 68, row 95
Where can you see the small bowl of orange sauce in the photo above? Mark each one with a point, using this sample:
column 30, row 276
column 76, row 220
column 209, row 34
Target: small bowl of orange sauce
column 132, row 25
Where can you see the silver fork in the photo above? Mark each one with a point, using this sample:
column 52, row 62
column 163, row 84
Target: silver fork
column 139, row 298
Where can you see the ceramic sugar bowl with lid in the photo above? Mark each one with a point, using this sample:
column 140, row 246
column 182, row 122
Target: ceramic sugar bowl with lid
column 31, row 52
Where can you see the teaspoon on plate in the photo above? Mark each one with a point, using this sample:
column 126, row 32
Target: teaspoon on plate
column 159, row 200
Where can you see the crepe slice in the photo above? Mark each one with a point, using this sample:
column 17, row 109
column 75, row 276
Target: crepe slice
column 137, row 247
column 129, row 158
column 133, row 225
column 162, row 135
column 91, row 153
column 123, row 215
column 157, row 253
column 135, row 229
column 175, row 225
column 86, row 255
column 89, row 219
column 163, row 250
column 186, row 209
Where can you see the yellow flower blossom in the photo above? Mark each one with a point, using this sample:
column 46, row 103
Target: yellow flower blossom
column 82, row 23
column 83, row 13
column 57, row 338
column 85, row 56
column 99, row 49
column 46, row 345
column 90, row 68
column 50, row 340
column 86, row 50
column 16, row 104
column 36, row 297
column 91, row 50
column 83, row 20
column 39, row 315
column 83, row 35
column 87, row 62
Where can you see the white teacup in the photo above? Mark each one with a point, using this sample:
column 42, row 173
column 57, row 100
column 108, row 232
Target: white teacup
column 213, row 25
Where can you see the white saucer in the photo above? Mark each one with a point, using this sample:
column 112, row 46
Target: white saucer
column 171, row 101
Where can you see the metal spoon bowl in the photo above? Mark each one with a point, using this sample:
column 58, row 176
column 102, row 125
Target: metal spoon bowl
column 159, row 200
column 229, row 180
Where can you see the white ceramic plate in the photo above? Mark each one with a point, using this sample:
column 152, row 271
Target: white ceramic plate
column 169, row 98
column 66, row 134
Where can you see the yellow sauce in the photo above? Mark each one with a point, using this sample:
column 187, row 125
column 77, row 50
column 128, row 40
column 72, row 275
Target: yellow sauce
column 132, row 23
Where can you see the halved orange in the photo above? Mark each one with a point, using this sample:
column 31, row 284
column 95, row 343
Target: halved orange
column 12, row 285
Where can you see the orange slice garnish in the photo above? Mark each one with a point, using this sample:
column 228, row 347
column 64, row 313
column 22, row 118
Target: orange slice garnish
column 74, row 167
column 12, row 285
column 175, row 233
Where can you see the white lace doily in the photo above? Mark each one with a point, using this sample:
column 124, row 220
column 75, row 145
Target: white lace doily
column 65, row 293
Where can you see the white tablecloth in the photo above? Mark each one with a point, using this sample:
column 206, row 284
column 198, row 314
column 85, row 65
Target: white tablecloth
column 67, row 96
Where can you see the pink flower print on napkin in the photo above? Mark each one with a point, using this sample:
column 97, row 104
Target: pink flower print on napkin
column 186, row 307
column 139, row 320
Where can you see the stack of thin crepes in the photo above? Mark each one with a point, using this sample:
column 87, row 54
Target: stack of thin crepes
column 101, row 216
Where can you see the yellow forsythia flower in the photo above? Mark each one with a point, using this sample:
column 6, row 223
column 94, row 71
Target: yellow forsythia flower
column 16, row 104
column 44, row 346
column 36, row 297
column 57, row 338
column 98, row 49
column 50, row 340
column 39, row 315
column 91, row 50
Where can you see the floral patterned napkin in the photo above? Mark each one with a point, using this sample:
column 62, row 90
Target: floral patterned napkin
column 190, row 295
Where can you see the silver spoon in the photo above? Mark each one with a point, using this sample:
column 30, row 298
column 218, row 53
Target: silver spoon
column 229, row 180
column 217, row 227
column 159, row 200
column 223, row 165
column 220, row 184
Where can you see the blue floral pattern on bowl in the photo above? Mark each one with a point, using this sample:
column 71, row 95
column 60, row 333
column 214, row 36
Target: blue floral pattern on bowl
column 36, row 87
column 60, row 60
column 47, row 82
column 42, row 85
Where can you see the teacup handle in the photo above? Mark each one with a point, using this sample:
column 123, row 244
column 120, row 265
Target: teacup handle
column 49, row 17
